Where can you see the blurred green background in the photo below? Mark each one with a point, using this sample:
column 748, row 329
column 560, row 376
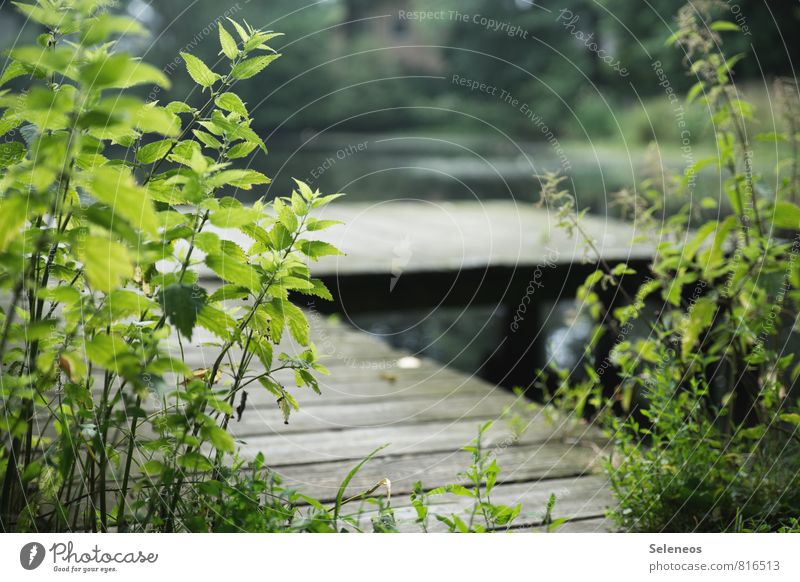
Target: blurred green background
column 566, row 85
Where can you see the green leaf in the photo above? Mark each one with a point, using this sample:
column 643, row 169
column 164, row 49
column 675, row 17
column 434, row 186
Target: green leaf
column 115, row 187
column 724, row 25
column 232, row 216
column 296, row 322
column 13, row 213
column 791, row 417
column 786, row 215
column 105, row 350
column 241, row 150
column 123, row 303
column 285, row 215
column 220, row 438
column 234, row 271
column 348, row 478
column 138, row 73
column 105, row 263
column 229, row 47
column 698, row 319
column 153, row 151
column 181, row 305
column 252, row 67
column 216, row 321
column 231, row 102
column 152, row 468
column 198, row 71
column 313, row 224
column 314, row 249
column 244, row 179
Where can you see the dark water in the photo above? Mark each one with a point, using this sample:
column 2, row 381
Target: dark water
column 378, row 168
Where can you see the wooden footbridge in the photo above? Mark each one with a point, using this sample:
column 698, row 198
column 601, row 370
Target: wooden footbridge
column 402, row 254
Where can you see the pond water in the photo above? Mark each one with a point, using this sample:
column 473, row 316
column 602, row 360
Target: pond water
column 434, row 168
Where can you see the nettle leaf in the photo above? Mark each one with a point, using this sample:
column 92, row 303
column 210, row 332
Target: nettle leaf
column 107, row 350
column 314, row 249
column 220, row 439
column 231, row 217
column 698, row 319
column 252, row 67
column 124, row 303
column 153, row 151
column 228, row 44
column 13, row 213
column 296, row 321
column 11, row 153
column 240, row 150
column 244, row 179
column 216, row 321
column 231, row 102
column 199, row 71
column 786, row 215
column 181, row 305
column 138, row 73
column 114, row 185
column 106, row 263
column 234, row 271
column 313, row 224
column 318, row 289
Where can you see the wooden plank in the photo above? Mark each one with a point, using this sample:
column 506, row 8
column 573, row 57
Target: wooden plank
column 403, row 439
column 455, row 235
column 583, row 499
column 320, row 415
column 518, row 464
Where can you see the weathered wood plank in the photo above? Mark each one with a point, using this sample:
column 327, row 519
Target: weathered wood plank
column 403, row 439
column 518, row 463
column 581, row 498
column 456, row 235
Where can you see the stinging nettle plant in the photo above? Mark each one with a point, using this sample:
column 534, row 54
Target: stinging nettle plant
column 101, row 425
column 716, row 442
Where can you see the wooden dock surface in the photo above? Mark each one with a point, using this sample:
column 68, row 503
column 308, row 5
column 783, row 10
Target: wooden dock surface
column 425, row 413
column 414, row 236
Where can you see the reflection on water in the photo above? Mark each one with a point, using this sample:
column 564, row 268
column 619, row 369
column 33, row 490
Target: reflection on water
column 468, row 338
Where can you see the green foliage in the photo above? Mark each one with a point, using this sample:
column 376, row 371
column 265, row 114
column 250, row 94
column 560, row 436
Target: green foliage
column 101, row 426
column 708, row 440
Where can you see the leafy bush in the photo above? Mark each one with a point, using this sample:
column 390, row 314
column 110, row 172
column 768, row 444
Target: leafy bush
column 709, row 439
column 101, row 426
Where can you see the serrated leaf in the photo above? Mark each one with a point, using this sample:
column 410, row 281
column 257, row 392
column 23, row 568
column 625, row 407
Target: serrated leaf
column 13, row 213
column 151, row 152
column 231, row 102
column 313, row 224
column 199, row 71
column 241, row 150
column 181, row 304
column 786, row 215
column 228, row 44
column 105, row 263
column 220, row 439
column 233, row 271
column 252, row 67
column 314, row 249
column 296, row 322
column 244, row 179
column 216, row 321
column 115, row 187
